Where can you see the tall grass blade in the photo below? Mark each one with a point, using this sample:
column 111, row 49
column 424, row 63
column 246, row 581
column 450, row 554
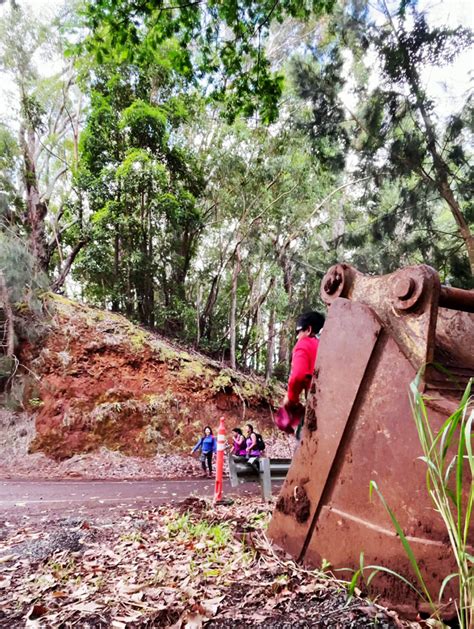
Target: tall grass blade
column 377, row 569
column 459, row 474
column 405, row 542
column 446, row 488
column 446, row 580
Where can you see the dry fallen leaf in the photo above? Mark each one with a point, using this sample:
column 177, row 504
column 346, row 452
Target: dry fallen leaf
column 192, row 620
column 37, row 611
column 211, row 605
column 129, row 588
column 60, row 594
column 122, row 584
column 89, row 607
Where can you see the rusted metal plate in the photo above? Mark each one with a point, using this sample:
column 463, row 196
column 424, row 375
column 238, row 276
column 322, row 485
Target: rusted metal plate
column 359, row 427
column 454, row 346
column 349, row 326
column 382, row 445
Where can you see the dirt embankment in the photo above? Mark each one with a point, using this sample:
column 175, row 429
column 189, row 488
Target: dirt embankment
column 97, row 381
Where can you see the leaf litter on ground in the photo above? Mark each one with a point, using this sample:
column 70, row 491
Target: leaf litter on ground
column 185, row 565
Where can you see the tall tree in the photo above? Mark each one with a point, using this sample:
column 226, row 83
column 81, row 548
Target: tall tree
column 406, row 45
column 48, row 111
column 141, row 186
column 413, row 157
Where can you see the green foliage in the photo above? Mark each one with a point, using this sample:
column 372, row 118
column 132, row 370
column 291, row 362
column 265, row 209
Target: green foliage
column 43, row 110
column 25, row 284
column 414, row 163
column 263, row 189
column 227, row 57
column 25, row 288
column 33, row 112
column 201, row 219
column 9, row 158
column 141, row 187
column 145, row 126
column 223, row 382
column 419, row 162
column 207, row 535
column 325, row 125
column 421, row 45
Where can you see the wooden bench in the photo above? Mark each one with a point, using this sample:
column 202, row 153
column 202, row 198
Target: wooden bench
column 258, row 470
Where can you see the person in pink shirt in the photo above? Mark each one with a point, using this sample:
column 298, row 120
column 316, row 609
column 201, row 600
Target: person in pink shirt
column 252, row 450
column 239, row 446
column 308, row 329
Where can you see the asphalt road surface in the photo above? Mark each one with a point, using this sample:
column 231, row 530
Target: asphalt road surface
column 85, row 497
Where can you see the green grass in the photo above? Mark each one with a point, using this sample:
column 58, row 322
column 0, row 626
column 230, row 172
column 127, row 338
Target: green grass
column 211, row 536
column 449, row 460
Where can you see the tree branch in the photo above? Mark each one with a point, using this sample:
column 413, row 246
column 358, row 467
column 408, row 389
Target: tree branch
column 319, row 206
column 47, row 194
column 59, row 281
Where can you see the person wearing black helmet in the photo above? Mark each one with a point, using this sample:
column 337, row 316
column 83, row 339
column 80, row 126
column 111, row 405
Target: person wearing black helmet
column 308, row 329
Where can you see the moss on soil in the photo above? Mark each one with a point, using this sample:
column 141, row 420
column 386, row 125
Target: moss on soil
column 104, row 381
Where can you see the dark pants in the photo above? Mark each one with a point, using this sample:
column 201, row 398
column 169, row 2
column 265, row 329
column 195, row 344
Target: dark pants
column 206, row 457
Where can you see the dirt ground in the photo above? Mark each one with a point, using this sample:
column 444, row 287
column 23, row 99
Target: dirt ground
column 183, row 565
column 179, row 565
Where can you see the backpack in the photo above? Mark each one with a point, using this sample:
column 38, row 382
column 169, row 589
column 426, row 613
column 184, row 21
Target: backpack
column 260, row 442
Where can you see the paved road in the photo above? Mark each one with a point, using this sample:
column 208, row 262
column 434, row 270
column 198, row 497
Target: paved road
column 78, row 497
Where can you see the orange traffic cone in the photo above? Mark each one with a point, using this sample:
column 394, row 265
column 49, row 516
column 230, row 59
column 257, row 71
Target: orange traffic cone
column 219, row 461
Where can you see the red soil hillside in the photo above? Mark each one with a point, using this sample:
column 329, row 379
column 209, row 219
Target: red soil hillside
column 101, row 381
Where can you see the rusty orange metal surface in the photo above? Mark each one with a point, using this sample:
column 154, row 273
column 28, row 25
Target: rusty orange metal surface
column 379, row 332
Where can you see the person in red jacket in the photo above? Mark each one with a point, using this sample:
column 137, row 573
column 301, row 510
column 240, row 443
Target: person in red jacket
column 308, row 329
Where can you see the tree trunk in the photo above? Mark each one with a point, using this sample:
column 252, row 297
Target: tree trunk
column 254, row 319
column 257, row 322
column 151, row 282
column 144, row 279
column 206, row 316
column 198, row 310
column 270, row 345
column 36, row 208
column 442, row 171
column 284, row 351
column 463, row 226
column 115, row 301
column 9, row 337
column 233, row 308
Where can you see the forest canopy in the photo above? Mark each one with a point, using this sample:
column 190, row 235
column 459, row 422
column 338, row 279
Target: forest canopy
column 198, row 166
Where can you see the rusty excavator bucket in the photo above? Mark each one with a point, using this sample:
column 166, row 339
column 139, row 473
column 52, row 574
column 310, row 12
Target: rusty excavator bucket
column 379, row 332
